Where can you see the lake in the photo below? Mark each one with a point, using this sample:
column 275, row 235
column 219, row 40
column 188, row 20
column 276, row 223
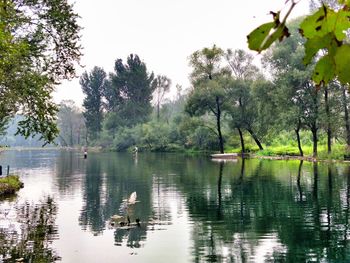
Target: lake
column 191, row 209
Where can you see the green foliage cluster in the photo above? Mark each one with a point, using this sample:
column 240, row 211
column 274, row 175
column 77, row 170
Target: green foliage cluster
column 39, row 46
column 123, row 99
column 326, row 39
column 338, row 151
column 232, row 106
column 10, row 184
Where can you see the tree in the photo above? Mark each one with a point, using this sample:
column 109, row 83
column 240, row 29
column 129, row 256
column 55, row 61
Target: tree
column 130, row 92
column 71, row 124
column 39, row 46
column 208, row 80
column 241, row 64
column 162, row 85
column 298, row 99
column 210, row 97
column 206, row 64
column 345, row 102
column 93, row 86
column 251, row 108
column 326, row 40
column 244, row 72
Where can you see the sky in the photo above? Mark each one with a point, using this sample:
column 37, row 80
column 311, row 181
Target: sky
column 163, row 33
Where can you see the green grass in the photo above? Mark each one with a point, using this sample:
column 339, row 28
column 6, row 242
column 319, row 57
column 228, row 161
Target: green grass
column 10, row 184
column 279, row 150
column 338, row 151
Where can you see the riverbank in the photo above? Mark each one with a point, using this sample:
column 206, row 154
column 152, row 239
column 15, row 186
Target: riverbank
column 10, row 185
column 279, row 152
column 284, row 152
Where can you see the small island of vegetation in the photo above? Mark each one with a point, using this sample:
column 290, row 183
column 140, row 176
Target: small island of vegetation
column 9, row 185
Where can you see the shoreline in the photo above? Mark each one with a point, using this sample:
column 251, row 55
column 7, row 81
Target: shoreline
column 246, row 155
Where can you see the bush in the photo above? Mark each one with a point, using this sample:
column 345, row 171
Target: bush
column 124, row 139
column 10, row 184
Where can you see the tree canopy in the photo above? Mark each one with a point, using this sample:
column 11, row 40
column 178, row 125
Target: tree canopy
column 131, row 90
column 93, row 85
column 39, row 47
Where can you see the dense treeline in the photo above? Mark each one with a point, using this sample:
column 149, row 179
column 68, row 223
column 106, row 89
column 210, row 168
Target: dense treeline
column 231, row 105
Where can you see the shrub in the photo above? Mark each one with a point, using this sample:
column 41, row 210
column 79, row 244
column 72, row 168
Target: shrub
column 10, row 184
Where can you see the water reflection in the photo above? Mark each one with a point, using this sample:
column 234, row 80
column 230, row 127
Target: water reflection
column 68, row 168
column 27, row 231
column 262, row 212
column 247, row 211
column 290, row 211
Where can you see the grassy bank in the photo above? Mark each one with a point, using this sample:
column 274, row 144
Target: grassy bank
column 10, row 185
column 338, row 151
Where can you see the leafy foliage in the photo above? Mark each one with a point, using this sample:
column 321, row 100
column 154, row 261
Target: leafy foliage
column 161, row 86
column 209, row 81
column 93, row 86
column 39, row 46
column 326, row 40
column 130, row 90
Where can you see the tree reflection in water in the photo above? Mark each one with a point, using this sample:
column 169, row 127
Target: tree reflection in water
column 27, row 235
column 272, row 212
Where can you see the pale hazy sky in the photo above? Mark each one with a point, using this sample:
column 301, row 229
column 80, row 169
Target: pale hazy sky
column 164, row 33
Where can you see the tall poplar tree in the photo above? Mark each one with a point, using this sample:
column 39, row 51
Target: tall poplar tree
column 93, row 85
column 162, row 85
column 130, row 91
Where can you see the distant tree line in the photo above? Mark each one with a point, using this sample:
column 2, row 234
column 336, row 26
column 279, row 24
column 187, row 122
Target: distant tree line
column 232, row 104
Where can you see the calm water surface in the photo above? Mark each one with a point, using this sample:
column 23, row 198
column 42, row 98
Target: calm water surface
column 191, row 209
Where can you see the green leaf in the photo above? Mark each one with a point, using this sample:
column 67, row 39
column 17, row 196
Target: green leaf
column 340, row 23
column 342, row 63
column 324, row 70
column 262, row 37
column 257, row 37
column 325, row 21
column 312, row 26
column 279, row 33
column 313, row 45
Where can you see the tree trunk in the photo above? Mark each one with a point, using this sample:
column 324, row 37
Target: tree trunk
column 255, row 139
column 346, row 117
column 158, row 112
column 219, row 191
column 298, row 181
column 71, row 137
column 242, row 140
column 78, row 137
column 242, row 169
column 314, row 140
column 218, row 124
column 298, row 138
column 328, row 113
column 315, row 188
column 314, row 124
